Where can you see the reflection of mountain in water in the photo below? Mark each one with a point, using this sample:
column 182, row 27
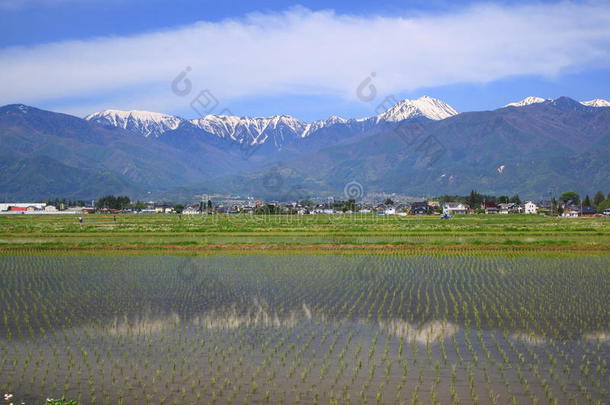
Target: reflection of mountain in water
column 257, row 315
column 529, row 338
column 142, row 325
column 601, row 336
column 429, row 332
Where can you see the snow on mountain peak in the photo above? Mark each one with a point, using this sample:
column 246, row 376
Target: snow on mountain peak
column 146, row 122
column 598, row 102
column 319, row 124
column 527, row 101
column 258, row 130
column 425, row 106
column 253, row 130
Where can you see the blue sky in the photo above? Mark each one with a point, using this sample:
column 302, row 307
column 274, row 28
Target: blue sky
column 305, row 59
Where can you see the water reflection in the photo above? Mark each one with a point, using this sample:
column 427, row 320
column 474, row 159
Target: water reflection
column 529, row 338
column 145, row 324
column 429, row 332
column 258, row 315
column 601, row 336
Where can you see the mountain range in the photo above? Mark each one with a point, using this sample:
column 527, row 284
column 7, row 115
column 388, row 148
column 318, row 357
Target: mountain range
column 416, row 147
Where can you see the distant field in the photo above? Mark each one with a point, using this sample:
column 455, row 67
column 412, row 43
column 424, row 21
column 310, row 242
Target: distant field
column 162, row 231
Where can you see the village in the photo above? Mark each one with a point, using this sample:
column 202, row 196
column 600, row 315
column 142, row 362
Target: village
column 569, row 208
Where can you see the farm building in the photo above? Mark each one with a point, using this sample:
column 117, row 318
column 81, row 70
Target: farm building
column 22, row 206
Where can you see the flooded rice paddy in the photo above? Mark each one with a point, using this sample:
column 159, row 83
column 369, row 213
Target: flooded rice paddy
column 305, row 329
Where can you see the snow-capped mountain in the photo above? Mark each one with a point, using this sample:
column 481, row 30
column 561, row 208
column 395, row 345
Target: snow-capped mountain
column 425, row 106
column 145, row 122
column 255, row 131
column 317, row 125
column 598, row 102
column 527, row 101
column 260, row 130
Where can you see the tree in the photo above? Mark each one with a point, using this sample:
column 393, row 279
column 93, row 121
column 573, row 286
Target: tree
column 475, row 199
column 112, row 202
column 570, row 197
column 267, row 209
column 503, row 199
column 515, row 199
column 598, row 198
column 389, row 201
column 349, row 205
column 553, row 204
column 603, row 205
column 587, row 201
column 178, row 208
column 209, row 204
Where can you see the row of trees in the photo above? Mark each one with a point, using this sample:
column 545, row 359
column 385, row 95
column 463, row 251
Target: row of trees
column 113, row 202
column 64, row 202
column 475, row 199
column 574, row 198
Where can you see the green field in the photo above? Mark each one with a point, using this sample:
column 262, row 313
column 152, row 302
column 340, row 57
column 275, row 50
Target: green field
column 237, row 231
column 163, row 309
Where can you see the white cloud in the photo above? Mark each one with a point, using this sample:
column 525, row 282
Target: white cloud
column 305, row 52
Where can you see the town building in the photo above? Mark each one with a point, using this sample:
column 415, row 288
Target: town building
column 530, row 208
column 455, row 208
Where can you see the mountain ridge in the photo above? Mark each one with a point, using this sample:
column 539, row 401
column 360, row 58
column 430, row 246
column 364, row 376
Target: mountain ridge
column 258, row 130
column 91, row 158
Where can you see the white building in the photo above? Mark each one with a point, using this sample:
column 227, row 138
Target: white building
column 390, row 210
column 455, row 208
column 530, row 208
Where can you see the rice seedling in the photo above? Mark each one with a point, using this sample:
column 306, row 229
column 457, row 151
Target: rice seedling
column 304, row 328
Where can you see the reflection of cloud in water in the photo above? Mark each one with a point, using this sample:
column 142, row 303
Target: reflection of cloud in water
column 529, row 338
column 597, row 336
column 431, row 332
column 141, row 325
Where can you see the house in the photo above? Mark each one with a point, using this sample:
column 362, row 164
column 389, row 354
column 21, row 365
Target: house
column 509, row 208
column 490, row 207
column 191, row 210
column 588, row 211
column 571, row 211
column 530, row 208
column 147, row 211
column 390, row 210
column 455, row 208
column 607, row 211
column 420, row 208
